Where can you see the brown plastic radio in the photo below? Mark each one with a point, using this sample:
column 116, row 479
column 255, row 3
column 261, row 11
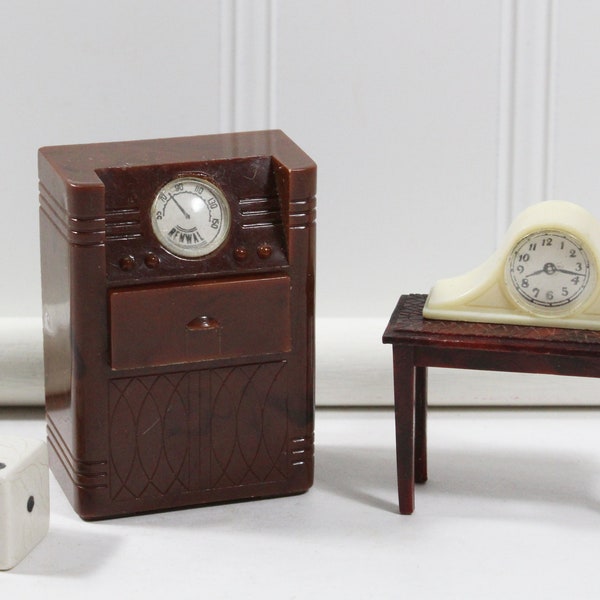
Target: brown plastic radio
column 178, row 295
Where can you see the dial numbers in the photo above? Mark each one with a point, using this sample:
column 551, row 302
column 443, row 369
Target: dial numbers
column 548, row 270
column 190, row 217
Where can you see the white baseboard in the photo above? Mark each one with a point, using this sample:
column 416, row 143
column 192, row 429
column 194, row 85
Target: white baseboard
column 21, row 362
column 353, row 369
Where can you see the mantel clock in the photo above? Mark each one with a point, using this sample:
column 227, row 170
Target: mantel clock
column 544, row 273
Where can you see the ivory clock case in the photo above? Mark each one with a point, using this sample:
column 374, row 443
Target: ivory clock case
column 176, row 380
column 544, row 273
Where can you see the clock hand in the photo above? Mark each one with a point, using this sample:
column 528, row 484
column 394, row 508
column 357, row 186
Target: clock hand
column 551, row 268
column 171, row 197
column 548, row 268
column 535, row 273
column 570, row 272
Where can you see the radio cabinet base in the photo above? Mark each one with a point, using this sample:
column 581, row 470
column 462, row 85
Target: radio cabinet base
column 191, row 437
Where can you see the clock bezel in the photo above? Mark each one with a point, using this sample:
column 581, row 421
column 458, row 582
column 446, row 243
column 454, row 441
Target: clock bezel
column 547, row 309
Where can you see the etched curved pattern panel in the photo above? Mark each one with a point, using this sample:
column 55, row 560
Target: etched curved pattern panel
column 182, row 432
column 149, row 435
column 248, row 425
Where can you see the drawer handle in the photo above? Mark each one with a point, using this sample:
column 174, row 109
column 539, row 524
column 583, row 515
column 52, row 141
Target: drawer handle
column 203, row 323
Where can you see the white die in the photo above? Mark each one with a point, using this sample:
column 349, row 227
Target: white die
column 24, row 497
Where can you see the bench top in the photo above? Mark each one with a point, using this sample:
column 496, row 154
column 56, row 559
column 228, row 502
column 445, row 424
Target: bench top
column 408, row 327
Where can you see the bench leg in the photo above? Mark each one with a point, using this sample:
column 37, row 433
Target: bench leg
column 404, row 410
column 421, row 424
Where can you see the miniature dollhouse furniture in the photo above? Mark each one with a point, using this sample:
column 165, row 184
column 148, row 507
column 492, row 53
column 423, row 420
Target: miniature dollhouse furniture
column 178, row 293
column 420, row 343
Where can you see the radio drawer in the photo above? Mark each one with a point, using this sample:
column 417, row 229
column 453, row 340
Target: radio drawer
column 194, row 322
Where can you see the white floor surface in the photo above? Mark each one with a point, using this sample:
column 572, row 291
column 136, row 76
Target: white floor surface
column 511, row 510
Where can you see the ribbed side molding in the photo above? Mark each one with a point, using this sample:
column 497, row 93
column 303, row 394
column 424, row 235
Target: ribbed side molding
column 86, row 475
column 81, row 232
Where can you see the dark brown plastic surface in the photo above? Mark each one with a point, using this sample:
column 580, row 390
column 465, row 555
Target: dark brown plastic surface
column 200, row 321
column 420, row 343
column 175, row 382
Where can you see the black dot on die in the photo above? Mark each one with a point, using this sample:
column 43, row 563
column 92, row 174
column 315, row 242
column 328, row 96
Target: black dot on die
column 30, row 504
column 2, row 466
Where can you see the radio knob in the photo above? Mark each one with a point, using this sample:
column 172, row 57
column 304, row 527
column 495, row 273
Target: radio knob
column 127, row 263
column 240, row 253
column 264, row 251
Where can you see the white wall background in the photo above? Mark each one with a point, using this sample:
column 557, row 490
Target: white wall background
column 433, row 123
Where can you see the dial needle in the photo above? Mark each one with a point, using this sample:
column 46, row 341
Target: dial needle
column 171, row 197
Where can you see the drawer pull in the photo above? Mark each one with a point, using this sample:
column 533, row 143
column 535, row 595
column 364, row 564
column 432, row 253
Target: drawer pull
column 203, row 323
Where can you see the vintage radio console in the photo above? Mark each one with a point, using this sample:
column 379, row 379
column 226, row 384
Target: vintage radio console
column 178, row 294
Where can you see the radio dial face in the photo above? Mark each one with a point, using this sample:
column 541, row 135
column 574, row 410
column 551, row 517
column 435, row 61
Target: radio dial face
column 190, row 217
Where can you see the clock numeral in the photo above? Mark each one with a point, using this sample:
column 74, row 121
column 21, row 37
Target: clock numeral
column 535, row 292
column 575, row 280
column 532, row 247
column 524, row 257
column 572, row 254
column 579, row 267
column 520, row 269
column 550, row 295
column 564, row 291
column 547, row 241
column 525, row 283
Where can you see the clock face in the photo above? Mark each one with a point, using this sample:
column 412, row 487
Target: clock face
column 190, row 217
column 549, row 272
